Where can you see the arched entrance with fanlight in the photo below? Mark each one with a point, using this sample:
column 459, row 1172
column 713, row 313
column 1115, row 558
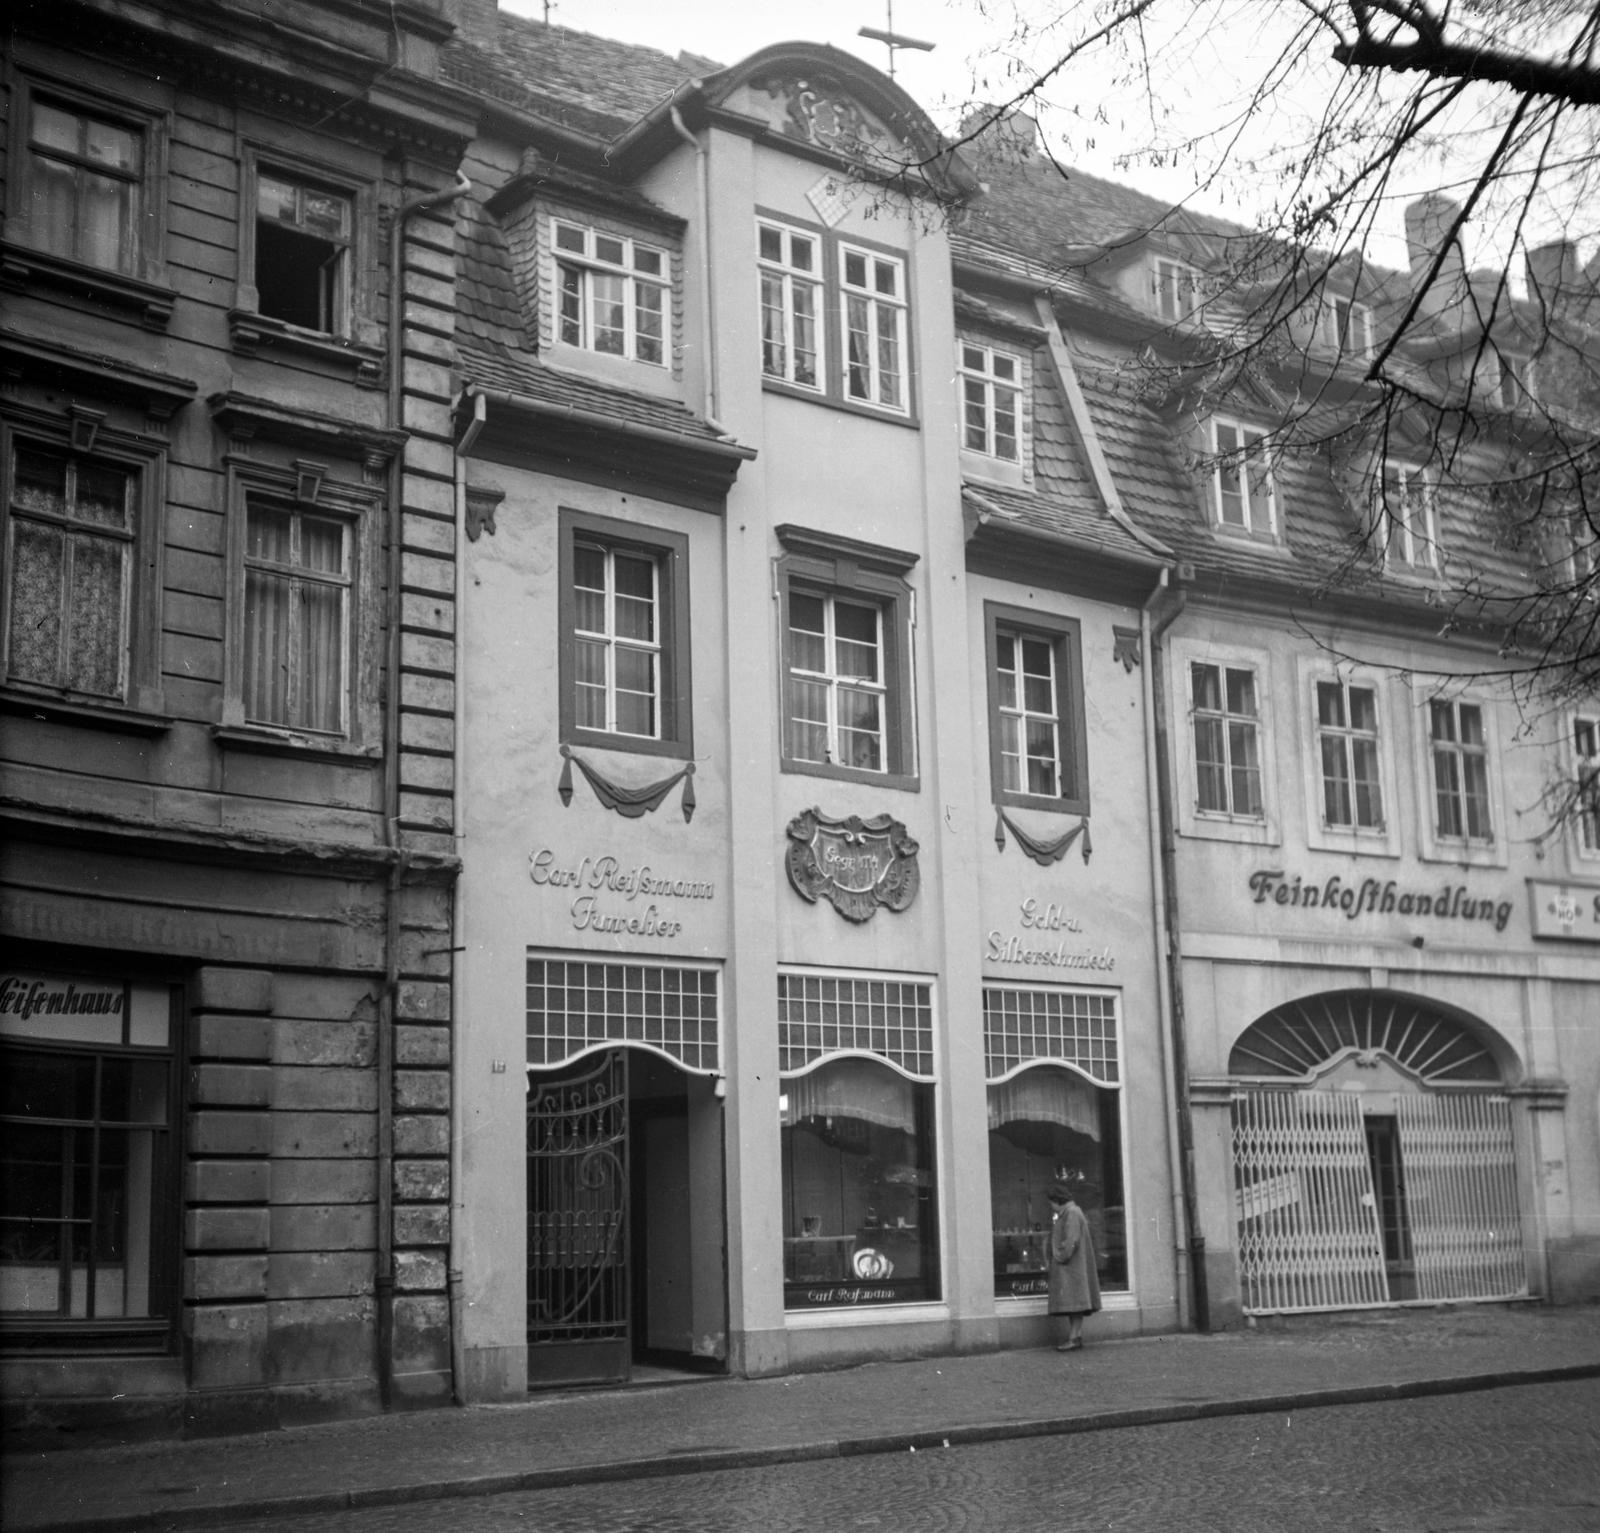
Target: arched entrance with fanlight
column 1373, row 1157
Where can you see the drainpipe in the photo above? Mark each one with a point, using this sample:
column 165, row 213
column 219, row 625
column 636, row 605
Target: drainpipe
column 383, row 1281
column 708, row 363
column 1158, row 886
column 454, row 1279
column 1177, row 1049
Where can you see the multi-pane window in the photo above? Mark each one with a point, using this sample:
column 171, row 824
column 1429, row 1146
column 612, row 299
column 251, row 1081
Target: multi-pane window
column 302, row 253
column 1242, row 486
column 296, row 619
column 791, row 301
column 989, row 401
column 1586, row 805
column 1405, row 517
column 1227, row 740
column 874, row 315
column 1347, row 745
column 612, row 294
column 1511, row 379
column 86, row 1138
column 1176, row 285
column 69, row 569
column 1346, row 326
column 85, row 185
column 616, row 640
column 1460, row 771
column 837, row 683
column 1030, row 714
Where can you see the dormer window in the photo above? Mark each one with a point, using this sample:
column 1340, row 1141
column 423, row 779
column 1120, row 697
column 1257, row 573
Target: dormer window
column 1511, row 382
column 990, row 402
column 612, row 293
column 1243, row 496
column 1177, row 287
column 1404, row 522
column 1346, row 326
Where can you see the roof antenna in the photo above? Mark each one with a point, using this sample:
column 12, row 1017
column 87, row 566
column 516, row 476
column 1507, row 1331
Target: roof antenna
column 549, row 5
column 892, row 39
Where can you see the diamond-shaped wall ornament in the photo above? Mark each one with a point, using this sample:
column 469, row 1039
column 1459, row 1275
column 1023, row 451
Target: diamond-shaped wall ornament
column 828, row 198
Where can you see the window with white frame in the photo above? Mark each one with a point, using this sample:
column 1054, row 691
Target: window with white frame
column 1243, row 494
column 1404, row 517
column 297, row 590
column 624, row 656
column 1226, row 725
column 873, row 316
column 1460, row 757
column 85, row 171
column 1177, row 286
column 790, row 263
column 1586, row 787
column 1348, row 754
column 990, row 401
column 1038, row 757
column 1513, row 370
column 616, row 639
column 1345, row 326
column 613, row 293
column 837, row 681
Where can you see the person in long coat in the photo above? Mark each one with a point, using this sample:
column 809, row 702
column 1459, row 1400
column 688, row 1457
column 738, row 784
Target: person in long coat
column 1074, row 1283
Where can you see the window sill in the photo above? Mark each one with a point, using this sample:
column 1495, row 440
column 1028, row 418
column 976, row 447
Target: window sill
column 22, row 268
column 1008, row 800
column 1354, row 843
column 1259, row 542
column 900, row 782
column 272, row 742
column 838, row 402
column 1002, row 471
column 250, row 332
column 1482, row 854
column 629, row 745
column 20, row 1336
column 1217, row 828
column 111, row 716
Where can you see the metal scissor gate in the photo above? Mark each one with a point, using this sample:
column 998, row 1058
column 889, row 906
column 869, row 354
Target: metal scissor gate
column 1338, row 1208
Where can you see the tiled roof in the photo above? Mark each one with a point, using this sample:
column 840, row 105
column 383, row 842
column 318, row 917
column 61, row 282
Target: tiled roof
column 592, row 84
column 499, row 368
column 487, row 307
column 1027, row 511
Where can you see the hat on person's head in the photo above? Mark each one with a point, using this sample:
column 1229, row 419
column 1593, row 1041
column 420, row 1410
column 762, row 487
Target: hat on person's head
column 1060, row 1193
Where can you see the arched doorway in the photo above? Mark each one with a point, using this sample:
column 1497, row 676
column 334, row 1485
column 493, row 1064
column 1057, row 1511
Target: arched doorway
column 1373, row 1158
column 625, row 1197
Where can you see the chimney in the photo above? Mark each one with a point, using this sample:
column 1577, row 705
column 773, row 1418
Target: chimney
column 1013, row 136
column 1428, row 221
column 1553, row 273
column 477, row 21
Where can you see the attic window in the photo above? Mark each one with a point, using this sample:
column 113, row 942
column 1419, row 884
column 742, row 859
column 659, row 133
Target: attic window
column 1242, row 492
column 1346, row 326
column 989, row 401
column 1177, row 287
column 302, row 256
column 1512, row 389
column 612, row 294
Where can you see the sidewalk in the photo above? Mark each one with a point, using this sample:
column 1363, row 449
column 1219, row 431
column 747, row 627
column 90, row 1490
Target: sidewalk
column 726, row 1423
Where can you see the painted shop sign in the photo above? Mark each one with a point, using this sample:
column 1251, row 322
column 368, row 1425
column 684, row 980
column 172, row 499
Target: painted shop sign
column 1049, row 917
column 856, row 865
column 1448, row 902
column 1568, row 912
column 597, row 883
column 25, row 996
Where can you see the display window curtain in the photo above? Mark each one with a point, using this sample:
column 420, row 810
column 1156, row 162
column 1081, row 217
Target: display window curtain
column 853, row 1088
column 1046, row 1096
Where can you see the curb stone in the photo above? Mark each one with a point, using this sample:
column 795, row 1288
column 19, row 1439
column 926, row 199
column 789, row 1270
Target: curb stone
column 710, row 1461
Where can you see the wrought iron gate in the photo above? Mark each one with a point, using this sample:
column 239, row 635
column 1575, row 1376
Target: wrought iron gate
column 1306, row 1203
column 578, row 1223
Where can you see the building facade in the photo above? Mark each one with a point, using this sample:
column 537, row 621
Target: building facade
column 630, row 782
column 227, row 867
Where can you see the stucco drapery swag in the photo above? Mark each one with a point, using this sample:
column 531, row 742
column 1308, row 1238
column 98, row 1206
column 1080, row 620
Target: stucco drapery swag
column 1043, row 852
column 631, row 803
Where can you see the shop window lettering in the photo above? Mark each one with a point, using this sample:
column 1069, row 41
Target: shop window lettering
column 1374, row 897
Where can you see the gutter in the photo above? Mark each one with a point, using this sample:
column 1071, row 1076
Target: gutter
column 1175, row 1046
column 721, row 447
column 383, row 1281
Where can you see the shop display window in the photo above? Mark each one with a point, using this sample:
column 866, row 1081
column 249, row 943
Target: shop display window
column 860, row 1200
column 1048, row 1124
column 86, row 1161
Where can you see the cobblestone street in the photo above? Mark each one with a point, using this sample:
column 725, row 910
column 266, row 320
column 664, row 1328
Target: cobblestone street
column 1521, row 1460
